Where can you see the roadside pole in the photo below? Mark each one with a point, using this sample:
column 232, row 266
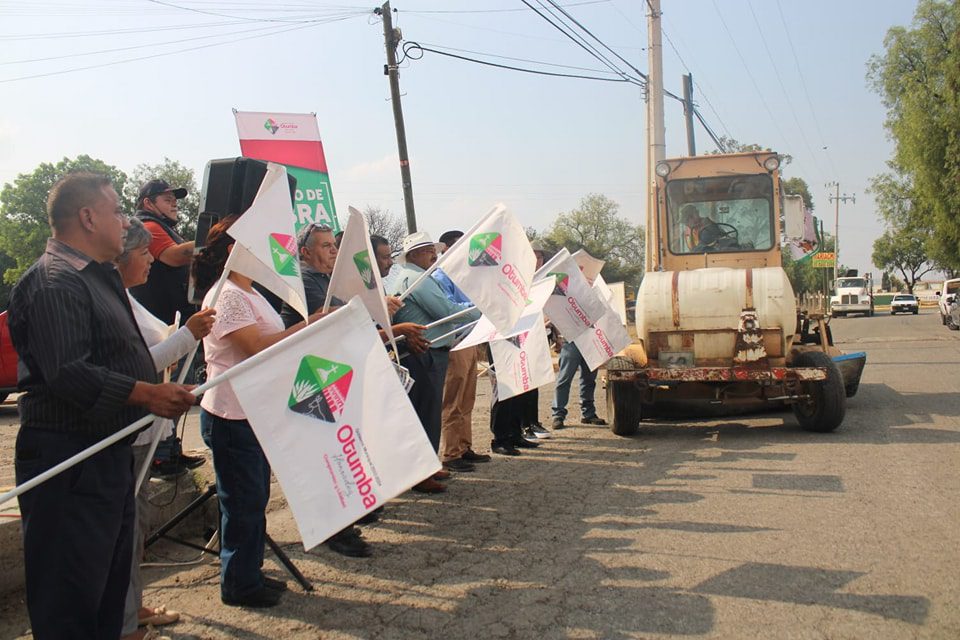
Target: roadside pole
column 656, row 147
column 688, row 113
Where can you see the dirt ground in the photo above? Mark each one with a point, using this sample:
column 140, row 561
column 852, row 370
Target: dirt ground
column 733, row 528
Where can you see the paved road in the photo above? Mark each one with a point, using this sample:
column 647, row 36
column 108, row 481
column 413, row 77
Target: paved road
column 739, row 528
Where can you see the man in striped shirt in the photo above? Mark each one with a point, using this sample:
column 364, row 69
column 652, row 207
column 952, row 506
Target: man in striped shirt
column 85, row 373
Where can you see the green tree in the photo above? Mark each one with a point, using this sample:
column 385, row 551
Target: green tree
column 176, row 175
column 23, row 209
column 918, row 78
column 596, row 226
column 903, row 250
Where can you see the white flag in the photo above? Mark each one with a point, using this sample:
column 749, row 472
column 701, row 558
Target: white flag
column 523, row 362
column 574, row 305
column 603, row 340
column 266, row 248
column 337, row 427
column 493, row 264
column 484, row 331
column 356, row 273
column 589, row 266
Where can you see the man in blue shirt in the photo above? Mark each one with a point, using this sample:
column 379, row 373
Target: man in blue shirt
column 427, row 303
column 460, row 386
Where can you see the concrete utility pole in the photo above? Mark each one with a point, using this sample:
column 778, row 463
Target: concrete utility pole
column 391, row 38
column 688, row 113
column 837, row 199
column 656, row 147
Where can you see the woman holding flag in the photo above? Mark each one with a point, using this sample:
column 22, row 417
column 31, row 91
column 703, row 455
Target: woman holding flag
column 246, row 324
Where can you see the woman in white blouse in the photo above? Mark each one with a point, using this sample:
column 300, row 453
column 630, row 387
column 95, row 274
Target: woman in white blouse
column 166, row 348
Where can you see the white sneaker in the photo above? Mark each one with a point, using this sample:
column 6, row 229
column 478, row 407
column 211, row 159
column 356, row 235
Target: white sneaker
column 539, row 431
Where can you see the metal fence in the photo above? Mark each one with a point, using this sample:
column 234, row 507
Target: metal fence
column 813, row 302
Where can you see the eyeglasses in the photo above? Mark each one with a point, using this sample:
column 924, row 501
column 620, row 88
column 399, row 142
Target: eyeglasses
column 308, row 230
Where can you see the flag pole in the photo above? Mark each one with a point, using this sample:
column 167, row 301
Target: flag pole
column 450, row 333
column 449, row 318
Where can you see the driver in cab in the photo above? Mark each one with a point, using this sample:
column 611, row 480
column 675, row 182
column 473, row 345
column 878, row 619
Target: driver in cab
column 702, row 233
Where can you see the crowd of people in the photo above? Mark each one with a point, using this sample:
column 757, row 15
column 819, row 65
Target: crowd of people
column 94, row 324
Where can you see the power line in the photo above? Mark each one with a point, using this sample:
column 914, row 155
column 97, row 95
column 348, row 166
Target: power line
column 783, row 88
column 602, row 43
column 571, row 4
column 410, row 48
column 160, row 55
column 164, row 3
column 109, row 32
column 493, row 55
column 806, row 93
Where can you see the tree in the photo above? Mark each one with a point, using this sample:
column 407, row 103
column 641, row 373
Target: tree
column 177, row 176
column 23, row 209
column 918, row 78
column 383, row 223
column 903, row 250
column 597, row 227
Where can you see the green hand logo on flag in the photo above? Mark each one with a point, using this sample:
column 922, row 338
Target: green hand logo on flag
column 283, row 250
column 320, row 388
column 362, row 260
column 485, row 250
column 561, row 284
column 271, row 126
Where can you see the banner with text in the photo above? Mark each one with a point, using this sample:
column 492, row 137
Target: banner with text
column 293, row 140
column 523, row 361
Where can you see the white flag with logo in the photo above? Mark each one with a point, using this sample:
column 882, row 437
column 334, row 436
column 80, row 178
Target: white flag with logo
column 356, row 273
column 603, row 340
column 493, row 264
column 484, row 331
column 589, row 266
column 337, row 427
column 574, row 305
column 523, row 361
column 266, row 248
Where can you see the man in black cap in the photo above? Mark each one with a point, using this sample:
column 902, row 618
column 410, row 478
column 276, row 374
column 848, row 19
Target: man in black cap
column 165, row 291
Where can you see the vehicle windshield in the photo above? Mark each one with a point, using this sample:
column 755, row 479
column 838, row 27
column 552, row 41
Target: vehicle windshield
column 851, row 283
column 724, row 214
column 953, row 287
column 903, row 298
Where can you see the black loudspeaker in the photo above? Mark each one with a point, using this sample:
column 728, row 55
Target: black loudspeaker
column 229, row 187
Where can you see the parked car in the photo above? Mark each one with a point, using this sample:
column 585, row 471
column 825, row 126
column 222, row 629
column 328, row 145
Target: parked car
column 8, row 361
column 904, row 303
column 945, row 297
column 953, row 314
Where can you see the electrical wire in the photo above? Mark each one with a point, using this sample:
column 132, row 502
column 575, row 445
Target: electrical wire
column 159, row 55
column 571, row 4
column 410, row 49
column 601, row 42
column 493, row 55
column 224, row 15
column 110, row 32
column 806, row 92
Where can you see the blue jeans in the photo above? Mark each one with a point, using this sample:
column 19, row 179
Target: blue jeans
column 243, row 487
column 570, row 361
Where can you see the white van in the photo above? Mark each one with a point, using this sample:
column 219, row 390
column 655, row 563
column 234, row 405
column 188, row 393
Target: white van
column 949, row 289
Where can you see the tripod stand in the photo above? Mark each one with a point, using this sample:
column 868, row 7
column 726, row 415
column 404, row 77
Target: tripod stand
column 211, row 492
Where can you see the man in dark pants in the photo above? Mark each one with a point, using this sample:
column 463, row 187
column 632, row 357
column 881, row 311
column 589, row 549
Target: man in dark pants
column 165, row 293
column 86, row 373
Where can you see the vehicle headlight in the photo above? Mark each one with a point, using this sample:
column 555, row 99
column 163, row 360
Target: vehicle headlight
column 663, row 169
column 772, row 163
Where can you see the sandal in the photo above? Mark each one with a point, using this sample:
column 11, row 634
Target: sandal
column 160, row 616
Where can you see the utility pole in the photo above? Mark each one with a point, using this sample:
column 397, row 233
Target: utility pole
column 688, row 113
column 837, row 199
column 656, row 147
column 391, row 38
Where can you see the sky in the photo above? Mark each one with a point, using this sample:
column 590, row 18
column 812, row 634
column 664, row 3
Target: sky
column 165, row 75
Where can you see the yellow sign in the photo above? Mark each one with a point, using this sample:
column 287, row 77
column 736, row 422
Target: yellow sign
column 823, row 260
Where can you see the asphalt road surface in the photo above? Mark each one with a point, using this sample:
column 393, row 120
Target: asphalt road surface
column 738, row 528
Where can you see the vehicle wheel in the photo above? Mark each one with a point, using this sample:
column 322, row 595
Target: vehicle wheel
column 892, row 312
column 623, row 408
column 870, row 314
column 916, row 311
column 823, row 411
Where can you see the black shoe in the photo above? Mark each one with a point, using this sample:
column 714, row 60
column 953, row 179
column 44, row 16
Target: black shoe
column 276, row 585
column 473, row 456
column 557, row 424
column 371, row 517
column 167, row 469
column 192, row 462
column 594, row 420
column 522, row 443
column 262, row 599
column 505, row 449
column 350, row 545
column 458, row 464
column 529, row 435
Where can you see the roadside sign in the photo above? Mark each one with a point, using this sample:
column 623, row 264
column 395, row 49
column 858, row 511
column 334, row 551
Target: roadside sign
column 823, row 260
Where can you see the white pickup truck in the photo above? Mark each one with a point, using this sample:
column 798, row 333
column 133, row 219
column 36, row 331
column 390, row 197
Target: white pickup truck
column 946, row 294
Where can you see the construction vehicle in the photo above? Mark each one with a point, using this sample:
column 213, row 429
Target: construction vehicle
column 852, row 293
column 716, row 317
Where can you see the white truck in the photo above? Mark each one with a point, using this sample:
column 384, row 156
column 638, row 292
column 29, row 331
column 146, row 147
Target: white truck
column 945, row 296
column 852, row 294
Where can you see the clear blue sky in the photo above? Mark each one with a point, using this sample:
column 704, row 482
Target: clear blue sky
column 476, row 135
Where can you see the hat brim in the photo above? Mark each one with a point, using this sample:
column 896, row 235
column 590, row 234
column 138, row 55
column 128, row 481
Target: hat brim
column 179, row 194
column 420, row 245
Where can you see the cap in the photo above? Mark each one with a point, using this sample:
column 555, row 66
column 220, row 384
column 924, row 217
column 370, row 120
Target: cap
column 414, row 241
column 449, row 237
column 157, row 186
